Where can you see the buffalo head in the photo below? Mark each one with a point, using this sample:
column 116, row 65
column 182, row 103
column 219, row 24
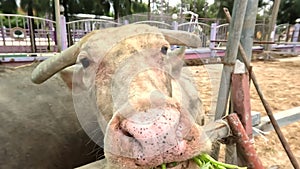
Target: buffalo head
column 147, row 108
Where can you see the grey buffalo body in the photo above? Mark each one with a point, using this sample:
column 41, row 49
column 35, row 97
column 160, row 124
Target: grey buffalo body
column 38, row 125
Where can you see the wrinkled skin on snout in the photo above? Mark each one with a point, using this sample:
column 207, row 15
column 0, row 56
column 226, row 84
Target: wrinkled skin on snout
column 147, row 108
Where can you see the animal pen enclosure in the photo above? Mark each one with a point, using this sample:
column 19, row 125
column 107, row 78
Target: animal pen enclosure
column 240, row 100
column 239, row 84
column 242, row 105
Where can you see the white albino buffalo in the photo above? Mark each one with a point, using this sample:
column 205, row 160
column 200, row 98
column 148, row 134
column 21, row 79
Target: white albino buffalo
column 147, row 108
column 39, row 128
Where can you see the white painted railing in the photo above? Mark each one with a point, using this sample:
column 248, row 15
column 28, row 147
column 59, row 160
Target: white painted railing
column 21, row 33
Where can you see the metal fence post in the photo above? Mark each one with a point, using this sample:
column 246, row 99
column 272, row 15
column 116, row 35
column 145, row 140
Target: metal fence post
column 63, row 33
column 126, row 22
column 175, row 25
column 272, row 36
column 213, row 35
column 272, row 23
column 235, row 31
column 240, row 81
column 249, row 28
column 296, row 33
column 32, row 35
column 3, row 31
column 58, row 25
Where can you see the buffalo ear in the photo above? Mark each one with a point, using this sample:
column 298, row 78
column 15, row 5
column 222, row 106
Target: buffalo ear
column 67, row 76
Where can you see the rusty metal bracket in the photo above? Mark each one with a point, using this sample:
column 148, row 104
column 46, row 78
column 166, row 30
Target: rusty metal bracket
column 245, row 146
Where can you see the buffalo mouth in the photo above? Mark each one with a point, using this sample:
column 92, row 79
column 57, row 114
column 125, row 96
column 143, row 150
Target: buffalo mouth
column 152, row 137
column 179, row 165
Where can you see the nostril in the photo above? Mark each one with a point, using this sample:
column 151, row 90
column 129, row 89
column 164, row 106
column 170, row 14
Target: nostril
column 171, row 165
column 126, row 133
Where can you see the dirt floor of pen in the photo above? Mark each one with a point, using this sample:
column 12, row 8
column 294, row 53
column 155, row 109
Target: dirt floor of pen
column 280, row 83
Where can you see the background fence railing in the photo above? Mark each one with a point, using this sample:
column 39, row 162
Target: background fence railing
column 26, row 34
column 20, row 33
column 77, row 29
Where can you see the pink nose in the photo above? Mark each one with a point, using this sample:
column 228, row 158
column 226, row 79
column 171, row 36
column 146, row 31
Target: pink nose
column 149, row 137
column 155, row 130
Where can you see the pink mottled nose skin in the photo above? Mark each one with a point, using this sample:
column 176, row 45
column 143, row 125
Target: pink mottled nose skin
column 156, row 130
column 151, row 136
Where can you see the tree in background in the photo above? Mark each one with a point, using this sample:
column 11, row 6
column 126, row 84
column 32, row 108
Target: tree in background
column 8, row 6
column 36, row 7
column 204, row 10
column 216, row 10
column 122, row 8
column 97, row 7
column 71, row 7
column 139, row 6
column 116, row 6
column 198, row 6
column 289, row 11
column 220, row 4
column 102, row 7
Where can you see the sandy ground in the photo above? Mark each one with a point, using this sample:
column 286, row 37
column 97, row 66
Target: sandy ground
column 280, row 83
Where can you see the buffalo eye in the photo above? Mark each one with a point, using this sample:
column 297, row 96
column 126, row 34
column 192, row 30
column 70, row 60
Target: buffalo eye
column 85, row 62
column 164, row 50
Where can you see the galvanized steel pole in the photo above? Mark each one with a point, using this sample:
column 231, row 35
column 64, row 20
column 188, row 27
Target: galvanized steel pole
column 235, row 30
column 248, row 28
